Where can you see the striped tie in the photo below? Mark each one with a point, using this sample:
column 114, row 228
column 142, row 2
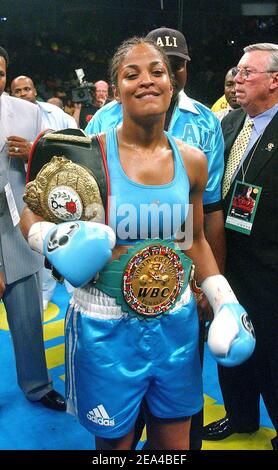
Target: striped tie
column 236, row 153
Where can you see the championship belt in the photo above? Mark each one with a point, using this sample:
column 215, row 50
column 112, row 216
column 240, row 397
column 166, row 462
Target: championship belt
column 66, row 177
column 148, row 280
column 64, row 191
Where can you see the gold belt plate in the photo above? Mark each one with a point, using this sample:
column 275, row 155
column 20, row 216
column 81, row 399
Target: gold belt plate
column 63, row 191
column 153, row 279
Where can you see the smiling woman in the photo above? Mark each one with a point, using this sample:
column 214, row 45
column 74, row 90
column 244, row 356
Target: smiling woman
column 133, row 322
column 150, row 71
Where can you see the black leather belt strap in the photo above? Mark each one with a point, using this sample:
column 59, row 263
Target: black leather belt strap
column 77, row 147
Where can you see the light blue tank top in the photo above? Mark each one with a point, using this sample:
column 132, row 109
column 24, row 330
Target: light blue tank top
column 138, row 211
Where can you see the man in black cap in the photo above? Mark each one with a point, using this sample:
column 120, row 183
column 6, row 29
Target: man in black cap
column 196, row 125
column 172, row 41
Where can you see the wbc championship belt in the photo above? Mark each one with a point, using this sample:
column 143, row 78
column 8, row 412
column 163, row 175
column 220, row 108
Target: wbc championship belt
column 148, row 280
column 66, row 178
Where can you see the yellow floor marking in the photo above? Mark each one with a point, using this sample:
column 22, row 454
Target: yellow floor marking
column 53, row 330
column 55, row 356
column 259, row 440
column 50, row 312
column 3, row 318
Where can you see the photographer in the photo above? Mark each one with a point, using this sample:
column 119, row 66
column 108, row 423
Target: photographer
column 88, row 98
column 101, row 93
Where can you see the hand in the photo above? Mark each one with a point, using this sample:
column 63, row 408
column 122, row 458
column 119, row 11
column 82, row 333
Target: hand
column 204, row 309
column 100, row 102
column 205, row 312
column 231, row 337
column 79, row 250
column 2, row 285
column 18, row 147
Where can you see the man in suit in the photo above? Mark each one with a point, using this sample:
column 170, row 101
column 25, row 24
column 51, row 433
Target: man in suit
column 20, row 287
column 252, row 258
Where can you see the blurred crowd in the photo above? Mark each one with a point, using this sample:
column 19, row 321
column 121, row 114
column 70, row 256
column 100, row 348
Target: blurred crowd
column 51, row 57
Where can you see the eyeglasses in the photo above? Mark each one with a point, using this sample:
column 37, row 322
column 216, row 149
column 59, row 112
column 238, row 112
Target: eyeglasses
column 245, row 73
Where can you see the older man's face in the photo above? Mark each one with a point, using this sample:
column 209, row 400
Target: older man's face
column 3, row 68
column 254, row 84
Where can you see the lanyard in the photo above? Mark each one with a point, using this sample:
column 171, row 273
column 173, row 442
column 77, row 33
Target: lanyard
column 250, row 159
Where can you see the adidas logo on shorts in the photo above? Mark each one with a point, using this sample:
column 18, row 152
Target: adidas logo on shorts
column 100, row 416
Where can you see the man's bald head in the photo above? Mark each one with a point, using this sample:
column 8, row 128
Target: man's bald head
column 101, row 92
column 56, row 101
column 24, row 88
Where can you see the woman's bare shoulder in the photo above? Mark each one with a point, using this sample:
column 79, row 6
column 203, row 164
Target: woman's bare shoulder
column 191, row 155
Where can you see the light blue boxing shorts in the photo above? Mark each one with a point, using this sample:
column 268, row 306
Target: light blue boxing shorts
column 113, row 360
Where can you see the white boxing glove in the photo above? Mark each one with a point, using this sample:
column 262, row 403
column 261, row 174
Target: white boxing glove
column 231, row 337
column 37, row 234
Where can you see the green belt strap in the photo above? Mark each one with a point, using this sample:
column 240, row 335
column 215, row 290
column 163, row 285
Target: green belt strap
column 110, row 280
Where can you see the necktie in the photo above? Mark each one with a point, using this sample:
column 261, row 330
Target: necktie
column 236, row 153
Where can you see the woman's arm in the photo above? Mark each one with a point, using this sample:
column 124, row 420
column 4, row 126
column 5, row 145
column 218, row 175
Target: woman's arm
column 2, row 285
column 28, row 218
column 200, row 251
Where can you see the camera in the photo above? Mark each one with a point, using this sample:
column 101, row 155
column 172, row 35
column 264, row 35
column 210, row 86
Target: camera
column 83, row 93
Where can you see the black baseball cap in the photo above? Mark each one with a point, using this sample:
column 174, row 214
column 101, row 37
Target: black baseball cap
column 172, row 41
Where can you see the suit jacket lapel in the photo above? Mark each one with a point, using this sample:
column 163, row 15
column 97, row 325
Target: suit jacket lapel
column 263, row 153
column 267, row 146
column 231, row 131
